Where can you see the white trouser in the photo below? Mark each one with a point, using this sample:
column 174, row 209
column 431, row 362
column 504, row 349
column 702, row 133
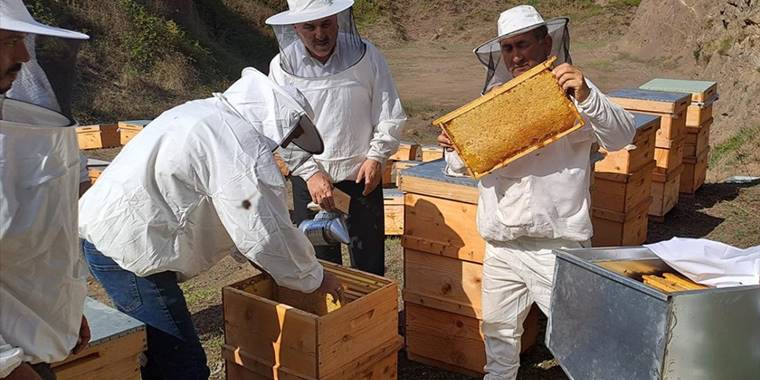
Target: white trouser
column 515, row 274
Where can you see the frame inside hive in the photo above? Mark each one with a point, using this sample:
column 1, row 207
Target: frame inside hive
column 514, row 119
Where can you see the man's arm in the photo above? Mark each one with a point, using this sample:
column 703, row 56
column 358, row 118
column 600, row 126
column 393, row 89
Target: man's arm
column 613, row 126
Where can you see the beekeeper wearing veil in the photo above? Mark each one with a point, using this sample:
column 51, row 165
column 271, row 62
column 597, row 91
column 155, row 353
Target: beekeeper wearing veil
column 42, row 274
column 539, row 202
column 357, row 111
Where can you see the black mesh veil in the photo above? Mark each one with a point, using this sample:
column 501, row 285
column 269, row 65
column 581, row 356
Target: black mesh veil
column 489, row 53
column 295, row 58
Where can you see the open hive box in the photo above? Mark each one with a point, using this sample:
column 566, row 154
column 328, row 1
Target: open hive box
column 271, row 332
column 512, row 120
column 607, row 323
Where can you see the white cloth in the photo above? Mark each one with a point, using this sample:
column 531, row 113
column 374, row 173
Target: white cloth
column 175, row 198
column 515, row 275
column 42, row 276
column 546, row 193
column 710, row 262
column 358, row 113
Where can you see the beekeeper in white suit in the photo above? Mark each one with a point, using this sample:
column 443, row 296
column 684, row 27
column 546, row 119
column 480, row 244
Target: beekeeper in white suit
column 357, row 111
column 541, row 201
column 42, row 274
column 198, row 183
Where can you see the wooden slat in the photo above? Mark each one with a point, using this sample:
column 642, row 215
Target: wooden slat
column 357, row 329
column 450, row 284
column 272, row 333
column 372, row 364
column 431, row 152
column 442, row 226
column 342, row 200
column 445, row 337
column 98, row 136
column 394, row 219
column 418, row 185
column 406, row 152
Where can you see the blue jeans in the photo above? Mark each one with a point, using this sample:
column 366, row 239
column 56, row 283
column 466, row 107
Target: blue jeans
column 174, row 350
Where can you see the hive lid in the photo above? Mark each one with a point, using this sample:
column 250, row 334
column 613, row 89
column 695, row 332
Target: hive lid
column 701, row 91
column 644, row 121
column 650, row 101
column 513, row 120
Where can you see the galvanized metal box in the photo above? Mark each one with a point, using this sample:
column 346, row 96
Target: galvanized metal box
column 607, row 324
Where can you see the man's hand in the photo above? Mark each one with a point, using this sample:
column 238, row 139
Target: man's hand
column 445, row 141
column 320, row 188
column 371, row 174
column 331, row 285
column 84, row 337
column 572, row 81
column 23, row 372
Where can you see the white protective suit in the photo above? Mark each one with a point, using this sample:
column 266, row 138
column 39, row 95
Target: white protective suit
column 358, row 111
column 535, row 204
column 197, row 183
column 42, row 273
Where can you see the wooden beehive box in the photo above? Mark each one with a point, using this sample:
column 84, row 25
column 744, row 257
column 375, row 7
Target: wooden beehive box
column 98, row 136
column 431, row 153
column 116, row 342
column 407, row 151
column 697, row 115
column 694, row 173
column 512, row 120
column 640, row 153
column 697, row 140
column 664, row 193
column 622, row 192
column 129, row 129
column 669, row 154
column 612, row 228
column 670, row 106
column 393, row 204
column 271, row 332
column 443, row 261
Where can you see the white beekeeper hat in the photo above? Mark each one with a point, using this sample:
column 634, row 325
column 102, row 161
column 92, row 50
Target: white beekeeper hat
column 308, row 10
column 16, row 18
column 518, row 20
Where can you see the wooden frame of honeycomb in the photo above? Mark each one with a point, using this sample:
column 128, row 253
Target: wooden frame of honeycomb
column 511, row 121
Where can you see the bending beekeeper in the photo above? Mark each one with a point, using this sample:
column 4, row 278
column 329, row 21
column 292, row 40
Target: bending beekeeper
column 42, row 274
column 539, row 202
column 357, row 111
column 198, row 183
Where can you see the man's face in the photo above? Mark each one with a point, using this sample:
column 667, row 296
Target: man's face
column 13, row 53
column 524, row 51
column 319, row 36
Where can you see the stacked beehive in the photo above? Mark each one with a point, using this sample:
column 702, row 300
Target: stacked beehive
column 129, row 129
column 98, row 136
column 405, row 157
column 271, row 332
column 622, row 187
column 669, row 143
column 699, row 118
column 431, row 153
column 443, row 265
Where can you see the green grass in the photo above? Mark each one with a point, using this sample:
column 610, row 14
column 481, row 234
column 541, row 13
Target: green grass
column 730, row 149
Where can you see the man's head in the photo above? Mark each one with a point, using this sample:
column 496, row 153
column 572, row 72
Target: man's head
column 523, row 51
column 319, row 36
column 13, row 54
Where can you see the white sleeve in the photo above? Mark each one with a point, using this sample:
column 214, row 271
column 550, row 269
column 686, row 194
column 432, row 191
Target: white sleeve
column 84, row 175
column 251, row 205
column 612, row 125
column 10, row 358
column 388, row 115
column 454, row 164
column 308, row 169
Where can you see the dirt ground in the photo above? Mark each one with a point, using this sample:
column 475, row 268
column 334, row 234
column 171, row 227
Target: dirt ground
column 434, row 77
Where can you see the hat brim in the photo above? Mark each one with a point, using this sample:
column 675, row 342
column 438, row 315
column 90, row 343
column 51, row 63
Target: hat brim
column 309, row 140
column 493, row 44
column 34, row 27
column 290, row 17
